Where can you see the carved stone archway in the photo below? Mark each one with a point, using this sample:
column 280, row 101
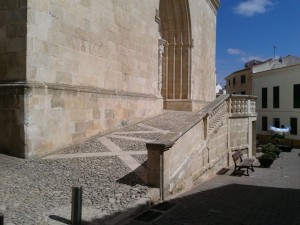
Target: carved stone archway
column 175, row 49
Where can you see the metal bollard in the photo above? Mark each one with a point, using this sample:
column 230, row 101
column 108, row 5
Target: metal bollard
column 1, row 219
column 76, row 205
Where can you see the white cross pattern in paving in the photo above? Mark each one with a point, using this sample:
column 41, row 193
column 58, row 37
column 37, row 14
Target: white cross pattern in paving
column 115, row 150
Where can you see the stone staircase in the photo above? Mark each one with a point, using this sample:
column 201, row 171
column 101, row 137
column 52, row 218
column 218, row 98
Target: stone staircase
column 202, row 145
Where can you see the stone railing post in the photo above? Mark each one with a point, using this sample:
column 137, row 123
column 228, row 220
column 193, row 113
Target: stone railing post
column 205, row 120
column 249, row 106
column 158, row 167
column 229, row 106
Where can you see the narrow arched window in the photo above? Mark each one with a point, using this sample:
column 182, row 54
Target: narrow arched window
column 176, row 62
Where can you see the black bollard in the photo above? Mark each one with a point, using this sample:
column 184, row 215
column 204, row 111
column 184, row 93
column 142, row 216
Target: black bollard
column 76, row 205
column 1, row 219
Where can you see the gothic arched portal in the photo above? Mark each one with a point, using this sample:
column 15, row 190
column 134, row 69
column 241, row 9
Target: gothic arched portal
column 175, row 31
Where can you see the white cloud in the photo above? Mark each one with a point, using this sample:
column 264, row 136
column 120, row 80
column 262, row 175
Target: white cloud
column 251, row 7
column 235, row 51
column 244, row 56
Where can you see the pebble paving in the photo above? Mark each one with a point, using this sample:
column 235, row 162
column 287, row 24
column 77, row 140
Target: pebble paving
column 129, row 145
column 149, row 136
column 163, row 122
column 38, row 191
column 140, row 158
column 92, row 145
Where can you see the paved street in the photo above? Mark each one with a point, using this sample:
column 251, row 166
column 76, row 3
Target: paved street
column 270, row 196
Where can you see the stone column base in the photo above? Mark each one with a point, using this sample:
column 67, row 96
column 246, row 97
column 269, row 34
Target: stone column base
column 37, row 119
column 184, row 104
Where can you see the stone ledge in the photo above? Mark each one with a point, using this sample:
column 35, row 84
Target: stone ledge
column 214, row 104
column 168, row 140
column 244, row 115
column 233, row 96
column 64, row 87
column 192, row 105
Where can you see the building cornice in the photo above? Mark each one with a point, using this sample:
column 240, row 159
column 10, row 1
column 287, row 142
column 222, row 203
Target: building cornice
column 271, row 71
column 73, row 88
column 214, row 5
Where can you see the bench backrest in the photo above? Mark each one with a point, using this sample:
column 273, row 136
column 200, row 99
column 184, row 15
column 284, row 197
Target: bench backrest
column 237, row 156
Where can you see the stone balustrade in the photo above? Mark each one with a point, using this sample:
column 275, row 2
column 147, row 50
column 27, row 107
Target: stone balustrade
column 216, row 113
column 203, row 146
column 242, row 104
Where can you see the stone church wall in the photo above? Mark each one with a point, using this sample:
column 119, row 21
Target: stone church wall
column 93, row 43
column 73, row 69
column 63, row 115
column 90, row 67
column 98, row 60
column 203, row 53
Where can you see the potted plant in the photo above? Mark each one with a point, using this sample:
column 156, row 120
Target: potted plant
column 271, row 148
column 270, row 153
column 266, row 159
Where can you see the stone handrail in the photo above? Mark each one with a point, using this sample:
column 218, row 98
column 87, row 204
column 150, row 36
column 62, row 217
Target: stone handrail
column 203, row 143
column 215, row 112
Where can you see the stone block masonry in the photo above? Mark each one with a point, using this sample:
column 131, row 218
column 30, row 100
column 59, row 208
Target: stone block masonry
column 95, row 43
column 46, row 118
column 72, row 69
column 83, row 67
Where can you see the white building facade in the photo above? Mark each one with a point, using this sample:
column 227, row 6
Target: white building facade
column 278, row 102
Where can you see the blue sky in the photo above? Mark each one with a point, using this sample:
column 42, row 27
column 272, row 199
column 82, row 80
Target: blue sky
column 248, row 29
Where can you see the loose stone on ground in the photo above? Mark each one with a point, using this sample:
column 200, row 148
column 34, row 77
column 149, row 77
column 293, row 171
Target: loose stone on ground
column 38, row 191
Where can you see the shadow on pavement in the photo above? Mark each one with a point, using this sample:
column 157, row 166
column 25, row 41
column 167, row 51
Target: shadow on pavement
column 232, row 204
column 66, row 221
column 132, row 178
column 235, row 204
column 238, row 173
column 223, row 171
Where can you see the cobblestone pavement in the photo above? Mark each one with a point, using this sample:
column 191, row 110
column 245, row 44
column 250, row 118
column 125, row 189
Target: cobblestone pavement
column 269, row 196
column 39, row 191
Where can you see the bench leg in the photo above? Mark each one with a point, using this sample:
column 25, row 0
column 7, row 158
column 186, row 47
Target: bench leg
column 234, row 172
column 236, row 168
column 247, row 171
column 252, row 168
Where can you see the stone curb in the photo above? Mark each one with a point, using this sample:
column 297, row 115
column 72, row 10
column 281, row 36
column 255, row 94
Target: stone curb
column 142, row 204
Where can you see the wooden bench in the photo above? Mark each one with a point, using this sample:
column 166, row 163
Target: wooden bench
column 243, row 163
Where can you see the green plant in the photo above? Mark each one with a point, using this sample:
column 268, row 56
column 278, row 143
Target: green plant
column 267, row 156
column 270, row 148
column 266, row 159
column 270, row 153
